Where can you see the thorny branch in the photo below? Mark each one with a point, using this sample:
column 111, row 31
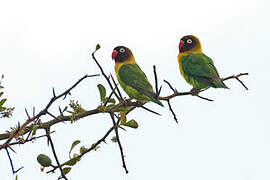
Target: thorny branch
column 43, row 112
column 27, row 127
column 118, row 141
column 54, row 154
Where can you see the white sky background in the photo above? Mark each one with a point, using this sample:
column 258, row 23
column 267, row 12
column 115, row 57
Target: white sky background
column 45, row 44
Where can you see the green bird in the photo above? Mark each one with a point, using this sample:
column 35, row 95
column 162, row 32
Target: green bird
column 130, row 76
column 197, row 68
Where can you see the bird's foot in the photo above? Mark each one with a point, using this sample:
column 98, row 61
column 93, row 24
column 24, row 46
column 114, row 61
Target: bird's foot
column 195, row 91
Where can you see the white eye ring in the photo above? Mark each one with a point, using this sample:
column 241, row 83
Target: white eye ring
column 122, row 50
column 189, row 41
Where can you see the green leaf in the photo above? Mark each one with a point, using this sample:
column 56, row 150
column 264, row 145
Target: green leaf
column 1, row 93
column 44, row 160
column 16, row 177
column 71, row 162
column 34, row 129
column 97, row 47
column 123, row 117
column 2, row 102
column 73, row 145
column 132, row 124
column 2, row 108
column 111, row 100
column 102, row 91
column 66, row 170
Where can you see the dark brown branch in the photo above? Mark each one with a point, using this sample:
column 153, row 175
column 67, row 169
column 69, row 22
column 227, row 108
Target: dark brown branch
column 147, row 109
column 41, row 113
column 237, row 78
column 121, row 97
column 92, row 147
column 118, row 141
column 156, row 81
column 174, row 90
column 103, row 73
column 11, row 163
column 54, row 154
column 170, row 108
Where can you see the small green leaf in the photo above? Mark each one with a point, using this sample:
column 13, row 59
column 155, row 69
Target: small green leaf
column 73, row 145
column 102, row 92
column 2, row 102
column 1, row 93
column 71, row 162
column 44, row 160
column 2, row 108
column 123, row 117
column 34, row 129
column 97, row 47
column 132, row 123
column 66, row 170
column 111, row 100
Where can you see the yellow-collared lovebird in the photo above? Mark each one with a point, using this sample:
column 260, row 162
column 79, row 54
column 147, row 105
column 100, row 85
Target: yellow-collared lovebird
column 131, row 78
column 197, row 68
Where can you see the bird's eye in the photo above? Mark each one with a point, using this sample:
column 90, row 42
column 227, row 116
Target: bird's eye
column 122, row 50
column 189, row 41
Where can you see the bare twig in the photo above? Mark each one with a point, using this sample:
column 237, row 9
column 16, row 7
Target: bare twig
column 118, row 141
column 147, row 109
column 174, row 90
column 237, row 78
column 43, row 112
column 11, row 163
column 54, row 154
column 156, row 81
column 121, row 97
column 170, row 108
column 103, row 73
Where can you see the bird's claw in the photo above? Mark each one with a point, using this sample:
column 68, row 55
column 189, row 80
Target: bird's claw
column 195, row 92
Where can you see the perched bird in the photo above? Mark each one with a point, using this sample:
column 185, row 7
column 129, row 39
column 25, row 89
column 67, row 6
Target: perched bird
column 197, row 68
column 131, row 78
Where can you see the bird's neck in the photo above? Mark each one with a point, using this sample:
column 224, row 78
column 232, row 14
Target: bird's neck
column 131, row 60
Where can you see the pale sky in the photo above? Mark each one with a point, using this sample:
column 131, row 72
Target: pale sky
column 45, row 44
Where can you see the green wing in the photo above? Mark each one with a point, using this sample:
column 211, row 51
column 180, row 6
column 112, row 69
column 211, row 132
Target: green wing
column 201, row 68
column 133, row 76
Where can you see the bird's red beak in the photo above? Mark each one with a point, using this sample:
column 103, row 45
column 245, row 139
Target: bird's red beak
column 181, row 44
column 114, row 54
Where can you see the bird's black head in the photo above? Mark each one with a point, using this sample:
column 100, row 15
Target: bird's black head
column 121, row 54
column 188, row 43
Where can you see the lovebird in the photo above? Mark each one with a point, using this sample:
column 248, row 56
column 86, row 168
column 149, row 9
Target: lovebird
column 130, row 76
column 197, row 68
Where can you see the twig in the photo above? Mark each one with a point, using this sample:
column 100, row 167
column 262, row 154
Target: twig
column 103, row 73
column 11, row 163
column 150, row 110
column 118, row 141
column 121, row 98
column 170, row 108
column 174, row 90
column 54, row 153
column 92, row 147
column 156, row 81
column 29, row 140
column 113, row 91
column 43, row 112
column 237, row 78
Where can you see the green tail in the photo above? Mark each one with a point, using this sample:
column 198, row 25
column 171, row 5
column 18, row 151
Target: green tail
column 220, row 84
